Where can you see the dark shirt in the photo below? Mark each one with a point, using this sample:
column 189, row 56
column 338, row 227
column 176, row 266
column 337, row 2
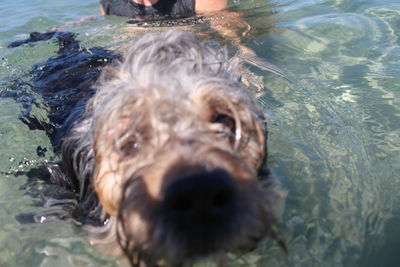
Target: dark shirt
column 128, row 8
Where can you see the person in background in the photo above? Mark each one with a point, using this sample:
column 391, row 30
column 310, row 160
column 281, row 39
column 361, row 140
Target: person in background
column 228, row 27
column 179, row 8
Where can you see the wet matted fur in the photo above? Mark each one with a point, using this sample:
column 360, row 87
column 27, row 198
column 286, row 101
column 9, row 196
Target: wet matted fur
column 166, row 153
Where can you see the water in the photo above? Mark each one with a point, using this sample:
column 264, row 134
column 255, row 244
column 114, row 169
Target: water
column 334, row 131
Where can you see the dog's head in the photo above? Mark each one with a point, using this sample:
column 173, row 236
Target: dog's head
column 179, row 145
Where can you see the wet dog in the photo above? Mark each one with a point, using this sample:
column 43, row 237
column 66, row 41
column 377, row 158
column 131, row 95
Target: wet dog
column 165, row 152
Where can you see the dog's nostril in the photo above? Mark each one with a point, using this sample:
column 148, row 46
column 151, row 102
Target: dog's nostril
column 222, row 198
column 181, row 203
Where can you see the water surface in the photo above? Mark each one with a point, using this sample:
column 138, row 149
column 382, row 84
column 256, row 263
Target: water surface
column 334, row 141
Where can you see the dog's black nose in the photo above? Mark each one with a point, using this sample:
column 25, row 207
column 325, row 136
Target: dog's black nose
column 201, row 202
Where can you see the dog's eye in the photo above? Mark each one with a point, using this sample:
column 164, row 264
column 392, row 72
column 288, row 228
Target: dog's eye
column 225, row 120
column 129, row 147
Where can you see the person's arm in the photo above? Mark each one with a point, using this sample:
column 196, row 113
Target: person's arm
column 234, row 28
column 207, row 6
column 102, row 12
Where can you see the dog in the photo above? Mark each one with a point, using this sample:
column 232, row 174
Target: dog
column 165, row 153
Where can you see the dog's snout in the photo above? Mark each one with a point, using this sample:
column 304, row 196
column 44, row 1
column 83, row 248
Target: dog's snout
column 201, row 198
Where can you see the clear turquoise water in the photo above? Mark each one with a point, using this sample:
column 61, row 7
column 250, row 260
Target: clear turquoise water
column 334, row 132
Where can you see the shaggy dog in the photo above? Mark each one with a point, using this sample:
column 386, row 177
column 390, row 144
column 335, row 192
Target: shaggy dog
column 166, row 153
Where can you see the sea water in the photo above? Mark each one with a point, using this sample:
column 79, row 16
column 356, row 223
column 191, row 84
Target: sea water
column 334, row 129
